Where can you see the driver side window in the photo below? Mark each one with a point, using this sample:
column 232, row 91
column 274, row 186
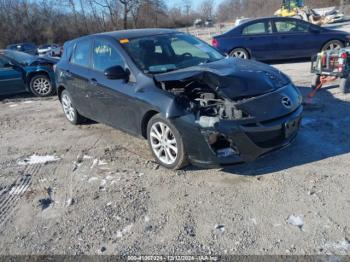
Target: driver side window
column 104, row 56
column 291, row 27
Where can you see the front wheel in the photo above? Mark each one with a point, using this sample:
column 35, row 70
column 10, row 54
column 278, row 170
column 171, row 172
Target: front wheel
column 41, row 86
column 166, row 143
column 240, row 53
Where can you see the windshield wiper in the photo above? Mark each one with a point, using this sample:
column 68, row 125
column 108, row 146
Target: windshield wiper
column 163, row 71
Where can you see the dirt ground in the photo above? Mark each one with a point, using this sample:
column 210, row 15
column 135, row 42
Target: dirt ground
column 99, row 191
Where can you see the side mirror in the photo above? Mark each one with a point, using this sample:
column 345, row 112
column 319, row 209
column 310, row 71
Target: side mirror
column 117, row 72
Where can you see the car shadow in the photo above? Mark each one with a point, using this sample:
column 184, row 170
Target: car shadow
column 288, row 61
column 16, row 96
column 24, row 95
column 323, row 134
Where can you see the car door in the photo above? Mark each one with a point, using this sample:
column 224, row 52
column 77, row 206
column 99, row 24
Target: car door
column 258, row 38
column 112, row 101
column 294, row 38
column 77, row 76
column 11, row 78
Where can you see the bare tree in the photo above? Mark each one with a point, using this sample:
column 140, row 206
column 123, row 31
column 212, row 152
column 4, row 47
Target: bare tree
column 206, row 9
column 128, row 5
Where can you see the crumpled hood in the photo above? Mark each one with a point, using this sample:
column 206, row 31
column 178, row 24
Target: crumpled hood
column 232, row 77
column 43, row 60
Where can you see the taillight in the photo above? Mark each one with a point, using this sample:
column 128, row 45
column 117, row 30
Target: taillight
column 344, row 55
column 324, row 60
column 214, row 42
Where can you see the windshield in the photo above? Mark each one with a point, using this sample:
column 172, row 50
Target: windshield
column 19, row 57
column 164, row 53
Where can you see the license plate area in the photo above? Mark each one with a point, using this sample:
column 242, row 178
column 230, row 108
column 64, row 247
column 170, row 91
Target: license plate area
column 291, row 127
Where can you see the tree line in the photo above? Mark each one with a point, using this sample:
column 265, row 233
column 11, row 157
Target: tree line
column 56, row 21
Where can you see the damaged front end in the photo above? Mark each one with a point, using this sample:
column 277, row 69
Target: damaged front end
column 235, row 105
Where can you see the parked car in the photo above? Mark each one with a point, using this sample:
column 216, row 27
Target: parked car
column 28, row 48
column 46, row 49
column 21, row 72
column 190, row 101
column 279, row 38
column 56, row 52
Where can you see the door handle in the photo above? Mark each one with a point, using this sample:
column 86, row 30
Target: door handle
column 93, row 82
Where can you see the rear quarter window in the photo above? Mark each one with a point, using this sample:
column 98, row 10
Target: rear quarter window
column 67, row 49
column 81, row 53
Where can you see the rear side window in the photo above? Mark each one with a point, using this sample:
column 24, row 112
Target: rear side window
column 104, row 56
column 81, row 55
column 257, row 28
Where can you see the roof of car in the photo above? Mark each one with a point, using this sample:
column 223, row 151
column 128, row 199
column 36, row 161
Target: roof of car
column 135, row 33
column 272, row 18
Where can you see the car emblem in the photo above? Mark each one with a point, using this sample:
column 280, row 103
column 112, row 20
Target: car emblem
column 286, row 102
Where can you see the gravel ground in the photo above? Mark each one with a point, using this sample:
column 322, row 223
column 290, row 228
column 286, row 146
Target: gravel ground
column 92, row 189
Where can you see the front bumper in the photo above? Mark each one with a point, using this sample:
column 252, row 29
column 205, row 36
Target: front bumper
column 249, row 141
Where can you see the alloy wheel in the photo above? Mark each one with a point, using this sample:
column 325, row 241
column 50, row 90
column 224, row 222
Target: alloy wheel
column 163, row 143
column 68, row 107
column 42, row 86
column 240, row 54
column 333, row 46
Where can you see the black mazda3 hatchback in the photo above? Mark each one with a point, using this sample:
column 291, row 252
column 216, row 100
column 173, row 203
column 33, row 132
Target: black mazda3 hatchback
column 188, row 100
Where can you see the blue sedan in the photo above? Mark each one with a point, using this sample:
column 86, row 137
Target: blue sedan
column 276, row 38
column 21, row 72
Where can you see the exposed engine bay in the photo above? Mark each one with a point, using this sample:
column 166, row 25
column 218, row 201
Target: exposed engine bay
column 204, row 102
column 209, row 108
column 224, row 90
column 230, row 93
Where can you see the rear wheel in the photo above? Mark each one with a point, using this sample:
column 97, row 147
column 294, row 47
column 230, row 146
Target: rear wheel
column 69, row 110
column 240, row 53
column 41, row 85
column 345, row 85
column 166, row 143
column 333, row 45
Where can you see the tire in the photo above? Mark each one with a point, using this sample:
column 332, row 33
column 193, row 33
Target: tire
column 332, row 45
column 69, row 110
column 345, row 85
column 240, row 53
column 316, row 80
column 163, row 138
column 40, row 85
